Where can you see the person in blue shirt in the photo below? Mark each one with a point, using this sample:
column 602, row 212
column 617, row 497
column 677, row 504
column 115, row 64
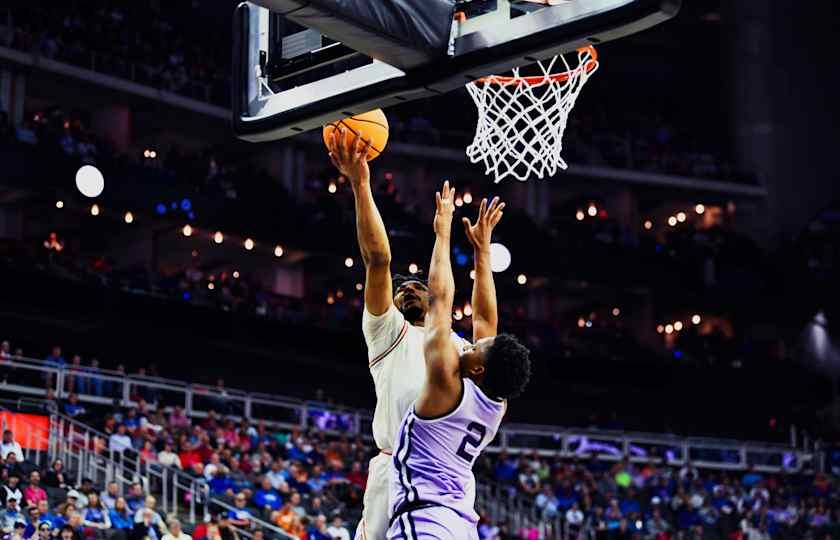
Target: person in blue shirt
column 73, row 408
column 131, row 420
column 122, row 519
column 505, row 470
column 221, row 482
column 240, row 516
column 44, row 514
column 96, row 516
column 317, row 480
column 318, row 529
column 267, row 498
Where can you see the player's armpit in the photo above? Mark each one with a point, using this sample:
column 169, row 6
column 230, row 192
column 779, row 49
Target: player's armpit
column 442, row 389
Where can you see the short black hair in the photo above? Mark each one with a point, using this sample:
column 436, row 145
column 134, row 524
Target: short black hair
column 508, row 367
column 399, row 279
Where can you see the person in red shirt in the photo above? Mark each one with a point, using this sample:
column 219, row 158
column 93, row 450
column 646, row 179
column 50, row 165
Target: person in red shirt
column 357, row 477
column 189, row 456
column 34, row 493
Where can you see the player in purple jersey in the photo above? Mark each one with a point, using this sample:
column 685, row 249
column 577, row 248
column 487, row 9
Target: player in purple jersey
column 461, row 404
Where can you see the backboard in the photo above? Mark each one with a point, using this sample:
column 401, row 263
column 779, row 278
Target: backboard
column 301, row 64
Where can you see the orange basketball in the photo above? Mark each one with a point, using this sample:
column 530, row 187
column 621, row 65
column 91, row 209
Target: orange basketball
column 373, row 126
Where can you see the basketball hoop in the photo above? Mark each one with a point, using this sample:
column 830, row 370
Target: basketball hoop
column 521, row 119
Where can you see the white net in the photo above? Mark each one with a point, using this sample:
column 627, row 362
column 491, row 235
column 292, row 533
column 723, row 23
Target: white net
column 521, row 120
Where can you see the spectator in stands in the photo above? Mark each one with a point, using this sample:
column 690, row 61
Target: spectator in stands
column 85, row 490
column 18, row 532
column 53, row 360
column 149, row 525
column 574, row 519
column 44, row 531
column 110, row 495
column 44, row 514
column 96, row 516
column 67, row 532
column 120, row 441
column 11, row 489
column 97, row 386
column 190, row 456
column 319, row 530
column 211, row 468
column 73, row 408
column 148, row 453
column 547, row 503
column 221, row 483
column 267, row 498
column 9, row 445
column 529, row 482
column 56, row 477
column 10, row 515
column 240, row 516
column 12, row 467
column 277, row 477
column 70, row 504
column 122, row 520
column 136, row 498
column 167, row 457
column 149, row 505
column 225, row 530
column 34, row 493
column 175, row 532
column 656, row 526
column 33, row 516
column 178, row 419
column 337, row 529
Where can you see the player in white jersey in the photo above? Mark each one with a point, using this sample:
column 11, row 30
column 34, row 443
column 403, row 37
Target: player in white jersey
column 392, row 323
column 457, row 414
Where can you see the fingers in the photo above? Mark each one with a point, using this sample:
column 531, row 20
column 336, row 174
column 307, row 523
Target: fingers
column 334, row 160
column 437, row 200
column 338, row 147
column 347, row 144
column 496, row 214
column 360, row 147
column 468, row 230
column 481, row 209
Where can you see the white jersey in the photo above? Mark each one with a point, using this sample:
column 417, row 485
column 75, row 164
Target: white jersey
column 398, row 368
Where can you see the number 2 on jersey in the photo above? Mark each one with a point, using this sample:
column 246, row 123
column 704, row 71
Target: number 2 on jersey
column 476, row 434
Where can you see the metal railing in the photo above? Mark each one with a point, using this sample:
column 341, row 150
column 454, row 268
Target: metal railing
column 177, row 491
column 36, row 378
column 268, row 529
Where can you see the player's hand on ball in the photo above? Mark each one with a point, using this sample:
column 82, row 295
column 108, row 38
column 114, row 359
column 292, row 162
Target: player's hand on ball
column 444, row 208
column 480, row 232
column 349, row 155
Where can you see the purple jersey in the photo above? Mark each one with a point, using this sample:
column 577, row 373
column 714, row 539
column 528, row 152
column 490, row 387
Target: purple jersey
column 433, row 458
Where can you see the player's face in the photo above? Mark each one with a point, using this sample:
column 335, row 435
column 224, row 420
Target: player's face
column 472, row 359
column 412, row 299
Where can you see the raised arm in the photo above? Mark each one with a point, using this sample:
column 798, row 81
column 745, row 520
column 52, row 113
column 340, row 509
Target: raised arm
column 442, row 389
column 485, row 311
column 349, row 155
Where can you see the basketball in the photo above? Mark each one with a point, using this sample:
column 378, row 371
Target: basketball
column 373, row 126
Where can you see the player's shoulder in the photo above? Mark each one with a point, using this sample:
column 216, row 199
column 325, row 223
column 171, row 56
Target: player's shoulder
column 477, row 394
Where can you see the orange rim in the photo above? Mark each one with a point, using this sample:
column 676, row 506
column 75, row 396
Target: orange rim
column 540, row 79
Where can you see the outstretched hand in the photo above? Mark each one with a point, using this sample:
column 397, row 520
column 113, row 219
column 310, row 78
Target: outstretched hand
column 349, row 155
column 444, row 208
column 480, row 232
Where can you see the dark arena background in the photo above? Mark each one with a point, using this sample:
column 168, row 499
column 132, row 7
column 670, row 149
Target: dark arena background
column 189, row 339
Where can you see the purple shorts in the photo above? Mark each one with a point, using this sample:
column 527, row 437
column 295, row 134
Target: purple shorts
column 433, row 523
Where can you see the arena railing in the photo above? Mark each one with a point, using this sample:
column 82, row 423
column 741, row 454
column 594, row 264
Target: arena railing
column 177, row 491
column 28, row 377
column 269, row 530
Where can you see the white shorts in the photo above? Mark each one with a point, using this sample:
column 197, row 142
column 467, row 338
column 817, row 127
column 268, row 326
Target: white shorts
column 377, row 504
